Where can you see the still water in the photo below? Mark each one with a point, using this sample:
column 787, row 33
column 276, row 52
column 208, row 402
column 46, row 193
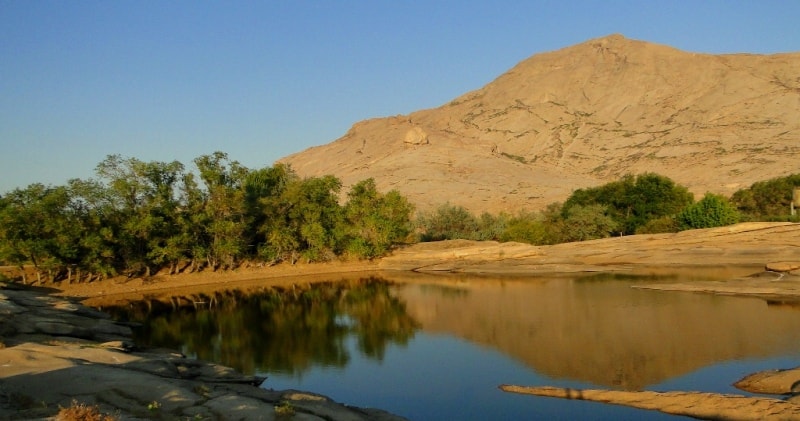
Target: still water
column 428, row 347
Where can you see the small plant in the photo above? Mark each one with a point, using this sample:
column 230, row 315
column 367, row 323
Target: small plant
column 284, row 408
column 153, row 406
column 202, row 390
column 82, row 412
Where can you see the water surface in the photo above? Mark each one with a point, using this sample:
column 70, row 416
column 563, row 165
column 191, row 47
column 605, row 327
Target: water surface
column 438, row 347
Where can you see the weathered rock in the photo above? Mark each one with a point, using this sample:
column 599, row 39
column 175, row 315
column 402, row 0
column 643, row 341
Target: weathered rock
column 711, row 406
column 782, row 266
column 55, row 354
column 742, row 245
column 773, row 382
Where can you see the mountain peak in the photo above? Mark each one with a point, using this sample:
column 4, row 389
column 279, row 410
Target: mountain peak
column 578, row 117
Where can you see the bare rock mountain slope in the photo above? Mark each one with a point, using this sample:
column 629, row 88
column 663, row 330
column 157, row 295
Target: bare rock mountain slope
column 580, row 117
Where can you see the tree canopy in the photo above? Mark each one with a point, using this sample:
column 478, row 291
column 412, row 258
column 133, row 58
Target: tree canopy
column 139, row 217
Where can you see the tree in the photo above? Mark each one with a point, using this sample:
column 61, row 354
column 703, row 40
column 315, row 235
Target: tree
column 634, row 201
column 374, row 221
column 37, row 228
column 143, row 195
column 303, row 220
column 587, row 223
column 767, row 200
column 711, row 211
column 223, row 208
column 525, row 228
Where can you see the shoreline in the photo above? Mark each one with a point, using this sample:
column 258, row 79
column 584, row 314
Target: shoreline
column 742, row 246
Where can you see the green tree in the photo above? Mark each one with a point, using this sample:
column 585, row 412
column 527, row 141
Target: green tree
column 224, row 215
column 767, row 200
column 711, row 211
column 634, row 201
column 587, row 223
column 37, row 228
column 303, row 221
column 525, row 228
column 375, row 221
column 143, row 196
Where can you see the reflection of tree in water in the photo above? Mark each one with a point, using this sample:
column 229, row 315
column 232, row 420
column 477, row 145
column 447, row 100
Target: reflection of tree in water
column 286, row 330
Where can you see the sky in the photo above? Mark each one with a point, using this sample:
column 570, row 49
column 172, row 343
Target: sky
column 259, row 80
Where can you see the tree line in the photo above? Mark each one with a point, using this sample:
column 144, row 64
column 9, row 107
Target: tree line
column 641, row 204
column 139, row 217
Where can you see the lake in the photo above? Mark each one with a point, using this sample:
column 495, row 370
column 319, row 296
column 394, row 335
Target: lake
column 437, row 347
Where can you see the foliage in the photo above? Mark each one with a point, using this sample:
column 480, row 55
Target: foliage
column 375, row 221
column 525, row 228
column 137, row 218
column 767, row 200
column 711, row 211
column 587, row 223
column 634, row 201
column 82, row 412
column 447, row 222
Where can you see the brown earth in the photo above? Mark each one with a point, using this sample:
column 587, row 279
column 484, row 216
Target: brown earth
column 579, row 117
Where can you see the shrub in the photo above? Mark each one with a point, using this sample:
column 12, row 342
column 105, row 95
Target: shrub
column 711, row 211
column 448, row 222
column 525, row 228
column 82, row 412
column 588, row 223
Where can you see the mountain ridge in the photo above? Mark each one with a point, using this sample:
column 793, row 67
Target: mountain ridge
column 579, row 117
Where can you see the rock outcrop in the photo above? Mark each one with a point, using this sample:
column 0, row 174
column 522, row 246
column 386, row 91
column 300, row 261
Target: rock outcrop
column 709, row 406
column 55, row 352
column 580, row 117
column 743, row 244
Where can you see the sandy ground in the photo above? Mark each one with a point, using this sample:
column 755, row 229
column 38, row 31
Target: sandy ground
column 278, row 275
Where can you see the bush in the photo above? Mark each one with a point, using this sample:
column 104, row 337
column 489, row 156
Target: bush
column 525, row 228
column 767, row 200
column 588, row 223
column 82, row 412
column 633, row 201
column 711, row 211
column 448, row 222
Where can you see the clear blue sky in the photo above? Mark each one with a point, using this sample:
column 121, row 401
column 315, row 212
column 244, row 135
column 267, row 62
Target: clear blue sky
column 173, row 80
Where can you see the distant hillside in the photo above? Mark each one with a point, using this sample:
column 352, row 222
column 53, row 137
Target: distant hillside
column 579, row 117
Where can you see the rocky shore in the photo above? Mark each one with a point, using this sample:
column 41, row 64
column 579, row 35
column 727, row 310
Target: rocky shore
column 56, row 354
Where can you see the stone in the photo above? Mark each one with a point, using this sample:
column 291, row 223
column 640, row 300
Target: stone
column 691, row 404
column 416, row 136
column 782, row 266
column 55, row 353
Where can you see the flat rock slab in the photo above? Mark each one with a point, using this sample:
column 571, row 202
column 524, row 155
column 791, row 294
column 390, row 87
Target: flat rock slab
column 54, row 352
column 773, row 382
column 777, row 285
column 747, row 244
column 710, row 406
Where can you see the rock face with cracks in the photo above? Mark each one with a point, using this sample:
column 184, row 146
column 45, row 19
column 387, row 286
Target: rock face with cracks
column 579, row 117
column 54, row 352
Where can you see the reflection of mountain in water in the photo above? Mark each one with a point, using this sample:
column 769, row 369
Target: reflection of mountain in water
column 605, row 332
column 276, row 330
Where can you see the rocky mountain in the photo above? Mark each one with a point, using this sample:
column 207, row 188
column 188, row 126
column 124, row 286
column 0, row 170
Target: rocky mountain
column 579, row 117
